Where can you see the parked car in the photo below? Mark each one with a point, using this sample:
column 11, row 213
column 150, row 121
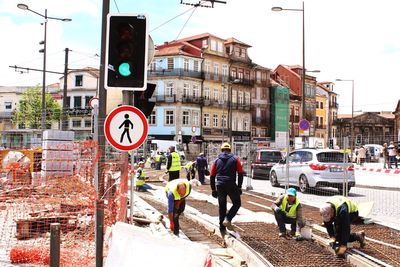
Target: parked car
column 262, row 162
column 313, row 168
column 375, row 152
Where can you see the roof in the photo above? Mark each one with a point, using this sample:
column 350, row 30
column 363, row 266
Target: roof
column 178, row 48
column 235, row 41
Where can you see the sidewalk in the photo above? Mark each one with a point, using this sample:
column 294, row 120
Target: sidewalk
column 373, row 175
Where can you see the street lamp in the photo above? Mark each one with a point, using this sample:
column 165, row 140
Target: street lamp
column 303, row 74
column 44, row 42
column 352, row 115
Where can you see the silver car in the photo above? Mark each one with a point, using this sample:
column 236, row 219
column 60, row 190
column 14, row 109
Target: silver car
column 312, row 168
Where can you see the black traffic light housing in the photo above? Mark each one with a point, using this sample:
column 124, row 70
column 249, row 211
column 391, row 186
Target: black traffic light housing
column 126, row 52
column 142, row 99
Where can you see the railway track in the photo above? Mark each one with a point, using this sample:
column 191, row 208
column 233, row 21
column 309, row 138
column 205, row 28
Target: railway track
column 382, row 249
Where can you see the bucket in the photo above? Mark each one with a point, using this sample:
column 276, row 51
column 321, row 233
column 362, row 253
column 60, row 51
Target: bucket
column 306, row 232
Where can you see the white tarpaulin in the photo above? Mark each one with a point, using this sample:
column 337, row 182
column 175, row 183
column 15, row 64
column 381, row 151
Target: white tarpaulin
column 135, row 246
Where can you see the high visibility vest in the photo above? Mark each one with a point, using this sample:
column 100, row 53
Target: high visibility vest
column 139, row 181
column 292, row 211
column 189, row 165
column 176, row 162
column 173, row 187
column 338, row 201
column 157, row 158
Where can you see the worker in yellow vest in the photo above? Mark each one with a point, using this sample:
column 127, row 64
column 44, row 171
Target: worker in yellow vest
column 140, row 178
column 157, row 159
column 190, row 168
column 288, row 210
column 176, row 190
column 337, row 213
column 173, row 164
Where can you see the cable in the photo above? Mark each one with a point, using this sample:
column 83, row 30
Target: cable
column 116, row 5
column 185, row 23
column 172, row 19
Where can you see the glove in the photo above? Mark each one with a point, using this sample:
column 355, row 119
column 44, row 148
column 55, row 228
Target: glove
column 278, row 209
column 332, row 241
column 171, row 225
column 341, row 250
column 240, row 191
column 214, row 193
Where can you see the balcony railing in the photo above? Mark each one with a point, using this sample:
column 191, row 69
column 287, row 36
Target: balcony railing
column 175, row 72
column 319, row 126
column 215, row 77
column 333, row 105
column 241, row 106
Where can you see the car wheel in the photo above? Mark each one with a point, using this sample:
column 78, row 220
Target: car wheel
column 303, row 184
column 341, row 190
column 273, row 179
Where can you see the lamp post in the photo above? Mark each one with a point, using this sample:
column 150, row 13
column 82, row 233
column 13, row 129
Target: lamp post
column 352, row 115
column 44, row 43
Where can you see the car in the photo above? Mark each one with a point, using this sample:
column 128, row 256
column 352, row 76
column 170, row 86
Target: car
column 314, row 168
column 262, row 162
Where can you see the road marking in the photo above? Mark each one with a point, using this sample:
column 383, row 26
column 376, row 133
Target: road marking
column 260, row 205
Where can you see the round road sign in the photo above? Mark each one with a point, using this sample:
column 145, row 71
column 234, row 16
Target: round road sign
column 304, row 124
column 126, row 128
column 94, row 101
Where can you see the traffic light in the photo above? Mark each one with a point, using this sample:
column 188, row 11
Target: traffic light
column 142, row 99
column 331, row 143
column 126, row 52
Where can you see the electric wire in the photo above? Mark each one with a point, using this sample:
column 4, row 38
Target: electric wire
column 116, row 5
column 184, row 25
column 172, row 19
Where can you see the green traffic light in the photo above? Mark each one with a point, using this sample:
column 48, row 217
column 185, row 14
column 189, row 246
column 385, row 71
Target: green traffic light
column 124, row 69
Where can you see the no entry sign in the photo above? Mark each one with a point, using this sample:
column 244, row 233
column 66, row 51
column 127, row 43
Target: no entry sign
column 126, row 128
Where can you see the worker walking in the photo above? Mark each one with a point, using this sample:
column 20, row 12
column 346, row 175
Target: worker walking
column 224, row 169
column 287, row 209
column 337, row 214
column 157, row 160
column 176, row 190
column 190, row 168
column 173, row 164
column 202, row 167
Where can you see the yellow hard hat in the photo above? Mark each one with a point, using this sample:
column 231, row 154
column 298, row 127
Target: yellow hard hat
column 225, row 146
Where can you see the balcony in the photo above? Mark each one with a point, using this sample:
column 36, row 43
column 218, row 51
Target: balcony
column 166, row 98
column 333, row 105
column 241, row 106
column 191, row 99
column 242, row 81
column 6, row 114
column 215, row 77
column 174, row 72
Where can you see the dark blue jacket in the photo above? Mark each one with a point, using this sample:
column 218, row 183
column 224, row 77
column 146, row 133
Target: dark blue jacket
column 201, row 163
column 224, row 169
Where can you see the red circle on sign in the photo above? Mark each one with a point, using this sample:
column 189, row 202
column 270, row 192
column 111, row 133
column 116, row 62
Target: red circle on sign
column 93, row 101
column 304, row 124
column 107, row 128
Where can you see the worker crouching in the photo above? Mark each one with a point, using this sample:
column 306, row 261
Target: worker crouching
column 177, row 190
column 337, row 214
column 287, row 210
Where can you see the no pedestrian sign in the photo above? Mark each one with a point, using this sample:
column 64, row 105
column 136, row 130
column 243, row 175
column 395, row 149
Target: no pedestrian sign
column 126, row 128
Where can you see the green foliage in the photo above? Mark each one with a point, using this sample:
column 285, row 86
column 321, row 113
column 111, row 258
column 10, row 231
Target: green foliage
column 29, row 109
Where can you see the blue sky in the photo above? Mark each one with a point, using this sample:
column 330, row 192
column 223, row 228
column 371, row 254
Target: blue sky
column 344, row 39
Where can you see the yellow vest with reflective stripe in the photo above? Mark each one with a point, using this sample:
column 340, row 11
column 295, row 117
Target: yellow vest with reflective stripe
column 189, row 165
column 173, row 187
column 157, row 158
column 176, row 162
column 292, row 211
column 337, row 201
column 139, row 181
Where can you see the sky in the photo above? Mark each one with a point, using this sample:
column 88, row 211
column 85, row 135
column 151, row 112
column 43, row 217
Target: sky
column 351, row 40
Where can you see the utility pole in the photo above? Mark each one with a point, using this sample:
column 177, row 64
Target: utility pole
column 65, row 106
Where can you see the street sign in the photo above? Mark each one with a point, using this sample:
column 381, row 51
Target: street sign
column 94, row 101
column 126, row 128
column 304, row 124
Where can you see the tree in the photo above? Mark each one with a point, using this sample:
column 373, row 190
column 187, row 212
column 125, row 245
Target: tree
column 29, row 109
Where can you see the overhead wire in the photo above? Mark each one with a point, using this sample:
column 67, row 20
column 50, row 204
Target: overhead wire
column 184, row 25
column 172, row 19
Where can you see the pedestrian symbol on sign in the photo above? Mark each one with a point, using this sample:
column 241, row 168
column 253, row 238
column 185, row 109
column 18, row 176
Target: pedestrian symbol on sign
column 126, row 123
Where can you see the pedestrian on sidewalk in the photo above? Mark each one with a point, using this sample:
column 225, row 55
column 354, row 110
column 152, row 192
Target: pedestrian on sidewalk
column 362, row 154
column 385, row 153
column 392, row 155
column 202, row 167
column 287, row 209
column 337, row 214
column 173, row 164
column 224, row 169
column 176, row 191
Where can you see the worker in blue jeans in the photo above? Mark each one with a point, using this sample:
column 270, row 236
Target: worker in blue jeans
column 224, row 169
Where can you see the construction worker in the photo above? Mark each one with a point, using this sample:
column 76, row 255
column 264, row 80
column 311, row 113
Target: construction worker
column 202, row 167
column 176, row 190
column 157, row 159
column 190, row 168
column 140, row 178
column 337, row 214
column 224, row 169
column 287, row 209
column 173, row 164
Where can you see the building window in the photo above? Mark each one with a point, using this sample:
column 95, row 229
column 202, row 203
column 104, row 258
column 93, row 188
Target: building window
column 169, row 117
column 321, row 121
column 246, row 125
column 237, row 51
column 220, row 47
column 87, row 100
column 76, row 123
column 185, row 118
column 77, row 101
column 169, row 90
column 224, row 70
column 258, row 76
column 204, row 43
column 78, row 80
column 225, row 94
column 233, row 73
column 152, row 118
column 240, row 74
column 241, row 98
column 213, row 45
column 247, row 98
column 206, row 93
column 216, row 94
column 8, row 105
column 234, row 96
column 88, row 123
column 206, row 120
column 216, row 71
column 215, row 120
column 195, row 118
column 170, row 63
column 243, row 52
column 196, row 65
column 186, row 64
column 185, row 92
column 68, row 101
column 321, row 105
column 207, row 66
column 195, row 91
column 223, row 121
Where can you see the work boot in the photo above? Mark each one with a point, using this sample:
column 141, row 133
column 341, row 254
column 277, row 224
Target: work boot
column 228, row 225
column 292, row 233
column 284, row 235
column 360, row 237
